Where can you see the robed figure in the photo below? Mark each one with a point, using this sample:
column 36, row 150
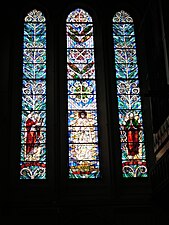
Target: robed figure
column 132, row 128
column 33, row 125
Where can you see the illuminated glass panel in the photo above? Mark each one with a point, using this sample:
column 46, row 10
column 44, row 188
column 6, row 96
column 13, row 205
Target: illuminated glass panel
column 82, row 103
column 33, row 122
column 129, row 99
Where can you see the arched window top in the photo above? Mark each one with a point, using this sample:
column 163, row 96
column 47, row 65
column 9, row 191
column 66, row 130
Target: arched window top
column 35, row 16
column 79, row 16
column 122, row 17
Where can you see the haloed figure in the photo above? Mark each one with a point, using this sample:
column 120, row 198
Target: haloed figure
column 132, row 128
column 33, row 124
column 82, row 118
column 85, row 135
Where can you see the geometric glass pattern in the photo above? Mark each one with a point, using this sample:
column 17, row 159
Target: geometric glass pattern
column 81, row 94
column 129, row 99
column 33, row 121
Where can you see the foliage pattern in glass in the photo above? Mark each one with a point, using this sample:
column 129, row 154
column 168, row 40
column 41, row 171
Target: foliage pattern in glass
column 129, row 99
column 82, row 105
column 33, row 122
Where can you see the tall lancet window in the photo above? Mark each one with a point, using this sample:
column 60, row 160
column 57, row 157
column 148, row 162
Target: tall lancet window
column 129, row 99
column 81, row 94
column 33, row 122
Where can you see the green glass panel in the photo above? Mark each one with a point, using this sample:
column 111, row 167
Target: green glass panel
column 126, row 71
column 34, row 71
column 123, row 29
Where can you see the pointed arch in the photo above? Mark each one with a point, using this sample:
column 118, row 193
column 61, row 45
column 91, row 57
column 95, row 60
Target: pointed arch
column 82, row 100
column 33, row 121
column 132, row 141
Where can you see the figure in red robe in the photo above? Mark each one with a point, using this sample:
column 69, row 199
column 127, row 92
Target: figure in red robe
column 33, row 133
column 132, row 128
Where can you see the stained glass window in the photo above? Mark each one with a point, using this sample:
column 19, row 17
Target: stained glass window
column 129, row 98
column 82, row 103
column 33, row 122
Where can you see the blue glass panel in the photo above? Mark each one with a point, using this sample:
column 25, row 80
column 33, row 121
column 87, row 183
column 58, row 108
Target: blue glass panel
column 34, row 71
column 126, row 71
